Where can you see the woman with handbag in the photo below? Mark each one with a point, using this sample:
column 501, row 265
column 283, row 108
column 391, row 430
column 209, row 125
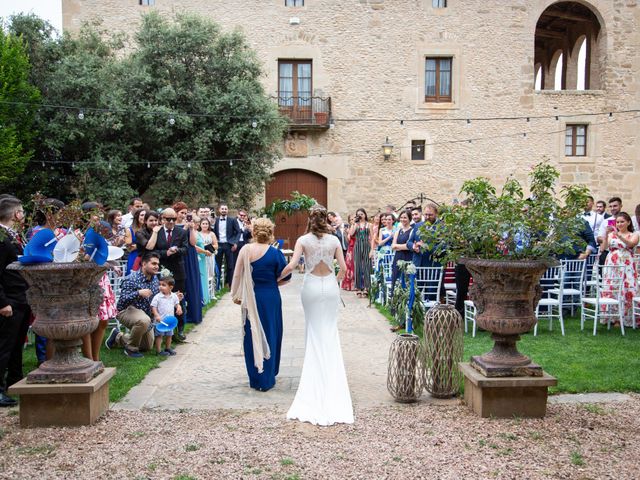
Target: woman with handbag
column 205, row 248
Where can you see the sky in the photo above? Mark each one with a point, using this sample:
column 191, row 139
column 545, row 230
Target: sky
column 50, row 10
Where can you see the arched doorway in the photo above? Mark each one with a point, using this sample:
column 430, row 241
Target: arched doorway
column 289, row 228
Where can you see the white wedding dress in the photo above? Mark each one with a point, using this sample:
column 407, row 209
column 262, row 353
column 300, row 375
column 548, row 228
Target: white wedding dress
column 323, row 396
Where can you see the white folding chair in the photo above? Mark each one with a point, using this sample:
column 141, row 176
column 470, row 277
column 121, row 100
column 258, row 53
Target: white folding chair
column 428, row 281
column 470, row 316
column 551, row 302
column 636, row 310
column 589, row 282
column 607, row 301
column 573, row 272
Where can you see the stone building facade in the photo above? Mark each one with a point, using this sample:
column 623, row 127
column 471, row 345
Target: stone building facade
column 373, row 59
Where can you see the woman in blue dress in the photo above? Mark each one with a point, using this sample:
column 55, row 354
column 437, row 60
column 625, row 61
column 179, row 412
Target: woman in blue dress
column 137, row 224
column 193, row 286
column 399, row 246
column 255, row 288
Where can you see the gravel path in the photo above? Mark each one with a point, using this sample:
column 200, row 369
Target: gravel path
column 585, row 441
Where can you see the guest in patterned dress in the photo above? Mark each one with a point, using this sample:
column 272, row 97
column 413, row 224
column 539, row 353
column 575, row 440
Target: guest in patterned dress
column 347, row 281
column 620, row 241
column 361, row 230
column 385, row 237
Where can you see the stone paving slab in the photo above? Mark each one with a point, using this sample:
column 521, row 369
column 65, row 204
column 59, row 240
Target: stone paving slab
column 209, row 372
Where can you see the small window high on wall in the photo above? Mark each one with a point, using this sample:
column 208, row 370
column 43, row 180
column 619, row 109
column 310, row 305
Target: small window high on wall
column 575, row 141
column 294, row 3
column 439, row 3
column 417, row 149
column 147, row 3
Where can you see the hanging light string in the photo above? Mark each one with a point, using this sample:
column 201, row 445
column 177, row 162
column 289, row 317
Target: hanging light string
column 254, row 119
column 521, row 134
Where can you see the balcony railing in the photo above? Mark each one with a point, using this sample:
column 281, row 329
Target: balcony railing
column 305, row 113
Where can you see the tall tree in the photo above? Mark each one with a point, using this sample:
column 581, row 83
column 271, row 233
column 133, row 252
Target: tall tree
column 164, row 118
column 189, row 66
column 18, row 104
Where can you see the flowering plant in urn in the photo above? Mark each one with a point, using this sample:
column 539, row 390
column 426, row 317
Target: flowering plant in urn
column 507, row 240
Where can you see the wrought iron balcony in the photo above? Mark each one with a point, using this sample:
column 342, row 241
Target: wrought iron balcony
column 305, row 113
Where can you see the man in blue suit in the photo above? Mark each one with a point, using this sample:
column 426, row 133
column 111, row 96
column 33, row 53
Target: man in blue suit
column 421, row 256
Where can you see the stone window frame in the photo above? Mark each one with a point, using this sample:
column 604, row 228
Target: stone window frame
column 593, row 143
column 406, row 147
column 455, row 53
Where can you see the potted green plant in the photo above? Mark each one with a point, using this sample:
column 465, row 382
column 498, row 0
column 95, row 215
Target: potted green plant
column 507, row 241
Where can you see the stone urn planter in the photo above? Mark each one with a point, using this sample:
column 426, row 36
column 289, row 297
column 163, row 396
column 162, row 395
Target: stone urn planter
column 505, row 293
column 65, row 298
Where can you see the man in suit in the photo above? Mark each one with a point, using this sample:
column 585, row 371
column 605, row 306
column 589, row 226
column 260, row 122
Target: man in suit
column 340, row 230
column 421, row 256
column 245, row 234
column 615, row 206
column 171, row 247
column 14, row 309
column 227, row 232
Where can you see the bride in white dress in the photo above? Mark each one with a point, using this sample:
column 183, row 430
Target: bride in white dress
column 323, row 396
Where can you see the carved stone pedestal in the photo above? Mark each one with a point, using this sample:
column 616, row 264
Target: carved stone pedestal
column 63, row 404
column 506, row 397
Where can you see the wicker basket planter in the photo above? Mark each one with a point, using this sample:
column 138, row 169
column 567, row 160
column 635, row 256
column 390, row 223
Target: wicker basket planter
column 443, row 349
column 405, row 377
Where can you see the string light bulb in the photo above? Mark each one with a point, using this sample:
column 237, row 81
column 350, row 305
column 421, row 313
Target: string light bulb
column 189, row 164
column 254, row 123
column 81, row 114
column 231, row 163
column 172, row 121
column 148, row 165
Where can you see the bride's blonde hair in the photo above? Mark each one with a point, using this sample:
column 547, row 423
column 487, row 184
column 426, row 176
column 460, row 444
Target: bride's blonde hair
column 318, row 223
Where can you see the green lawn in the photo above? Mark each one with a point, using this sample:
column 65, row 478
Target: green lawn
column 581, row 362
column 129, row 371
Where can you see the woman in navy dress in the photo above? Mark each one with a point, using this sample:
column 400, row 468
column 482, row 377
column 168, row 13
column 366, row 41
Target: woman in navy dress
column 255, row 288
column 192, row 285
column 399, row 246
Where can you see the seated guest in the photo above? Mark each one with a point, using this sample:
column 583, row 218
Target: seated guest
column 134, row 308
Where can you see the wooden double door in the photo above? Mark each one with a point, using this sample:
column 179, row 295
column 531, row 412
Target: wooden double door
column 289, row 228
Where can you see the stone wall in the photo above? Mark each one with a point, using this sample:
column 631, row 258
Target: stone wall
column 368, row 56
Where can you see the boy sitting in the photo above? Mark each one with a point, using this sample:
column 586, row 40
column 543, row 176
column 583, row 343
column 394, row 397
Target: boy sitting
column 165, row 304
